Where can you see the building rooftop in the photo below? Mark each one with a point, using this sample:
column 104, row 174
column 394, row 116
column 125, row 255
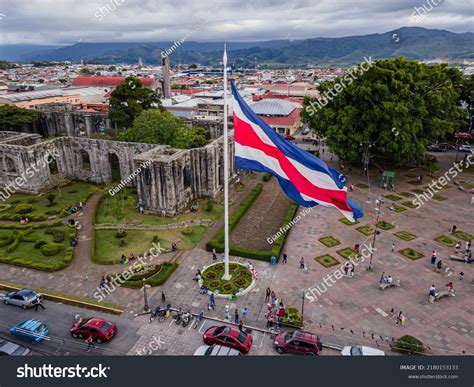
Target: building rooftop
column 274, row 107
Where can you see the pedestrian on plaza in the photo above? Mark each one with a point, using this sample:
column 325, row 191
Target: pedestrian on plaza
column 90, row 343
column 458, row 247
column 439, row 266
column 245, row 314
column 269, row 320
column 163, row 296
column 399, row 318
column 461, row 276
column 236, row 316
column 392, row 311
column 281, row 313
column 284, row 258
column 80, row 206
column 468, row 246
column 433, row 258
column 352, row 270
column 393, row 247
column 432, row 293
column 212, row 301
column 37, row 303
column 450, row 287
column 241, row 326
column 214, row 254
column 302, row 263
column 453, row 229
column 346, row 268
column 267, row 295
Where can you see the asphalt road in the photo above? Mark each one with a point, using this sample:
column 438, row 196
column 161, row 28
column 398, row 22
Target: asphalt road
column 132, row 338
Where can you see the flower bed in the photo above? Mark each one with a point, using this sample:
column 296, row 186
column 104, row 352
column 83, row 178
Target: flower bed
column 393, row 198
column 329, row 241
column 445, row 240
column 405, row 235
column 241, row 278
column 347, row 253
column 409, row 204
column 385, row 225
column 463, row 235
column 366, row 230
column 347, row 222
column 327, row 260
column 411, row 254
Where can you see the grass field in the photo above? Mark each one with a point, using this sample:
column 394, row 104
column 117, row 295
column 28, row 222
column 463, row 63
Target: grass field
column 121, row 208
column 108, row 249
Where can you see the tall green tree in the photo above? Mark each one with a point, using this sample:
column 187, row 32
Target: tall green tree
column 467, row 97
column 398, row 106
column 128, row 100
column 14, row 118
column 156, row 126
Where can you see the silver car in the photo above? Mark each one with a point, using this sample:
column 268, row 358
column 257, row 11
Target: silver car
column 7, row 348
column 360, row 350
column 24, row 298
column 215, row 350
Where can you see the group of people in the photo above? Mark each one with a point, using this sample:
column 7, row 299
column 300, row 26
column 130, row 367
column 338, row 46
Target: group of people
column 399, row 317
column 349, row 269
column 75, row 209
column 433, row 293
column 276, row 311
column 467, row 253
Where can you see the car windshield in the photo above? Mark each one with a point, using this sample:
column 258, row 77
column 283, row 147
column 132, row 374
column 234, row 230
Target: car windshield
column 39, row 328
column 356, row 351
column 288, row 338
column 105, row 327
column 83, row 322
column 242, row 337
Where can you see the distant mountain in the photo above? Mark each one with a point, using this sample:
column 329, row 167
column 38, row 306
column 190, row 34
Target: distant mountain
column 411, row 42
column 14, row 52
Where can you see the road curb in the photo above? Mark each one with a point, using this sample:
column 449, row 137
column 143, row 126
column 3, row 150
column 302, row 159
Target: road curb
column 65, row 299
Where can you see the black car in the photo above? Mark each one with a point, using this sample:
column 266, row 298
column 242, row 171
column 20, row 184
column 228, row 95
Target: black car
column 438, row 148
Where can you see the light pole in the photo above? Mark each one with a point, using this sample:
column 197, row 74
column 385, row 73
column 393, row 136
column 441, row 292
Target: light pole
column 146, row 308
column 376, row 232
column 302, row 310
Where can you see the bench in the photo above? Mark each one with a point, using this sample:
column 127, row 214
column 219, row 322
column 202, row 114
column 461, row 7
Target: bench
column 456, row 258
column 386, row 285
column 440, row 295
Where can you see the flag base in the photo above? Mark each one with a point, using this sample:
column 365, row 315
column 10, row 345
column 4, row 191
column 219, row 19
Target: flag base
column 226, row 277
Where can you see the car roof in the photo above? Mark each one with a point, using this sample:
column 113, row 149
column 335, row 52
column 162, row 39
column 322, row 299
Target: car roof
column 307, row 336
column 8, row 347
column 95, row 322
column 220, row 350
column 24, row 292
column 30, row 325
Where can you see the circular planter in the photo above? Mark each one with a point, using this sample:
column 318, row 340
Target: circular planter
column 241, row 276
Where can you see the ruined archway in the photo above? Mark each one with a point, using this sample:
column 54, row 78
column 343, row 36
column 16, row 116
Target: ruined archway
column 86, row 161
column 9, row 166
column 114, row 167
column 187, row 177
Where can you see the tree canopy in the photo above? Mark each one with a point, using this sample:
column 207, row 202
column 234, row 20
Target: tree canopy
column 14, row 118
column 161, row 127
column 129, row 99
column 398, row 106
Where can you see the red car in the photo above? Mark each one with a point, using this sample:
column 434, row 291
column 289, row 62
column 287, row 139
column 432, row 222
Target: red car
column 99, row 329
column 299, row 342
column 289, row 138
column 228, row 337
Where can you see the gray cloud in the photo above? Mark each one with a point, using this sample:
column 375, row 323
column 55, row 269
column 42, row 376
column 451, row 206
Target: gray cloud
column 70, row 21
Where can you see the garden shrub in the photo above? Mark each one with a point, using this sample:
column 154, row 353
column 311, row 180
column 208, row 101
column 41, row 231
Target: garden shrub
column 14, row 245
column 39, row 244
column 58, row 235
column 121, row 234
column 50, row 249
column 187, row 231
column 31, row 200
column 409, row 343
column 266, row 177
column 155, row 239
column 209, row 205
column 23, row 208
column 64, row 212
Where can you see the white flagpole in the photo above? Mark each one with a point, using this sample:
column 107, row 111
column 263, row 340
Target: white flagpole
column 226, row 175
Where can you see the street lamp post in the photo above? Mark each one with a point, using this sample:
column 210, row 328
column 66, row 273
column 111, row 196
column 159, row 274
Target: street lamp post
column 376, row 232
column 302, row 310
column 146, row 307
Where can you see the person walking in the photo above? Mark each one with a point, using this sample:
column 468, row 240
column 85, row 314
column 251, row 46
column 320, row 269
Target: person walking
column 90, row 343
column 302, row 263
column 214, row 254
column 245, row 314
column 432, row 293
column 458, row 247
column 236, row 316
column 267, row 295
column 439, row 266
column 163, row 296
column 393, row 247
column 37, row 303
column 352, row 270
column 212, row 301
column 433, row 258
column 399, row 318
column 284, row 258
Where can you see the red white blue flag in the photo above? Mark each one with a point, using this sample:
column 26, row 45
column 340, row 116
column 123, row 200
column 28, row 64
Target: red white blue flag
column 305, row 179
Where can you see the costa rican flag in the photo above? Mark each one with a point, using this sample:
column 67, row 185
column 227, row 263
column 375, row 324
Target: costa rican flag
column 305, row 179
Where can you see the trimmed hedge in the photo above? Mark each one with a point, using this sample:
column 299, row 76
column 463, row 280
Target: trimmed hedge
column 158, row 279
column 50, row 249
column 23, row 208
column 17, row 217
column 44, row 266
column 267, row 177
column 218, row 241
column 409, row 343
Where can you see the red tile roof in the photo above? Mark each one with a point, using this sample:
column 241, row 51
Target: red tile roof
column 107, row 81
column 278, row 121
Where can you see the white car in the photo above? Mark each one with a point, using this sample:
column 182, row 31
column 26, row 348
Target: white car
column 465, row 148
column 358, row 350
column 215, row 350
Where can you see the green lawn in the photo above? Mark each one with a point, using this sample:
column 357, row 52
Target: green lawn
column 347, row 253
column 398, row 208
column 411, row 254
column 121, row 208
column 108, row 248
column 463, row 235
column 18, row 247
column 329, row 241
column 393, row 198
column 347, row 222
column 447, row 241
column 406, row 194
column 327, row 260
column 66, row 197
column 439, row 198
column 385, row 225
column 366, row 230
column 405, row 235
column 409, row 204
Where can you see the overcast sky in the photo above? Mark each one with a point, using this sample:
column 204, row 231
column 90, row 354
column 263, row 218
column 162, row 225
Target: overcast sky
column 72, row 21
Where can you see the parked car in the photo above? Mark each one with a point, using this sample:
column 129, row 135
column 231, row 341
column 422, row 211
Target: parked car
column 99, row 329
column 465, row 148
column 438, row 148
column 289, row 138
column 216, row 350
column 30, row 330
column 298, row 342
column 228, row 337
column 305, row 131
column 24, row 298
column 357, row 350
column 7, row 348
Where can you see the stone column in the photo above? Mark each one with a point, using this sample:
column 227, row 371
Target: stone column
column 69, row 124
column 88, row 122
